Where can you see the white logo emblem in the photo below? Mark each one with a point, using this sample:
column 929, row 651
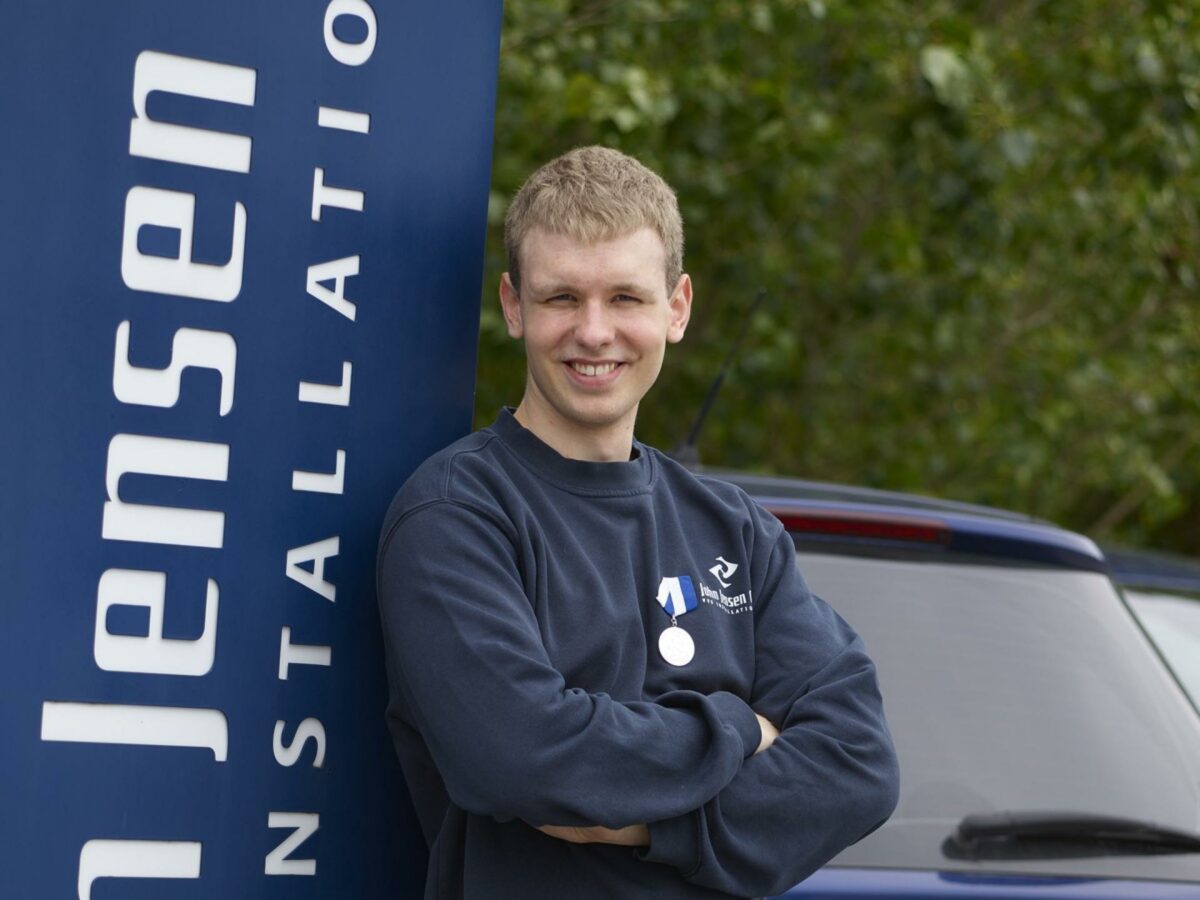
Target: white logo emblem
column 724, row 570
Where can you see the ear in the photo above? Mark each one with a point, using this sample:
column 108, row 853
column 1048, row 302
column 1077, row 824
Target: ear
column 510, row 303
column 680, row 304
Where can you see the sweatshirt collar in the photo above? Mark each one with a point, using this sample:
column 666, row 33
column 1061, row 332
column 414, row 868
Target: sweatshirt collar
column 576, row 475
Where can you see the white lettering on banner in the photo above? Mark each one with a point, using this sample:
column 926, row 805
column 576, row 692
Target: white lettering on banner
column 328, row 394
column 322, row 482
column 304, row 825
column 145, row 455
column 316, row 554
column 340, row 198
column 289, row 755
column 300, row 654
column 191, row 348
column 337, row 271
column 350, row 54
column 136, row 859
column 150, row 654
column 190, row 146
column 325, row 281
column 178, row 276
column 166, row 88
column 344, row 120
column 150, row 726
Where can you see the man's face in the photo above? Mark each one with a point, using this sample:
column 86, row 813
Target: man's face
column 596, row 319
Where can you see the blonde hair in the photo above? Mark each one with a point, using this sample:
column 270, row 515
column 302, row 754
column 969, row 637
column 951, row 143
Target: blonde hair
column 594, row 194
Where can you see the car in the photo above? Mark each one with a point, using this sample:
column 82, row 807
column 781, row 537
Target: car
column 1045, row 750
column 1164, row 592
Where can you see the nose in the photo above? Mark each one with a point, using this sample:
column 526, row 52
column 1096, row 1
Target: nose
column 594, row 325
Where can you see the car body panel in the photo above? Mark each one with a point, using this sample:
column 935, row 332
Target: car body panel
column 1153, row 571
column 964, row 533
column 866, row 884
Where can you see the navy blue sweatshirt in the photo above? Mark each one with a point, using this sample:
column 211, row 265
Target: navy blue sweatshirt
column 519, row 593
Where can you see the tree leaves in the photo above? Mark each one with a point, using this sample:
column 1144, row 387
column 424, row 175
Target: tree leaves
column 979, row 225
column 949, row 75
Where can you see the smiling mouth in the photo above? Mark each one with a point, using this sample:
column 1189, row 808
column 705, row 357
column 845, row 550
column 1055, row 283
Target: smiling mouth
column 593, row 370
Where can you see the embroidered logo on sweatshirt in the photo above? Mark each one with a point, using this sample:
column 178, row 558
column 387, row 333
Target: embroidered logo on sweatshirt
column 723, row 570
column 733, row 604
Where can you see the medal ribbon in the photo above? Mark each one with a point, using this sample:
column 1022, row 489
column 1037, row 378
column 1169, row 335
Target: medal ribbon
column 677, row 595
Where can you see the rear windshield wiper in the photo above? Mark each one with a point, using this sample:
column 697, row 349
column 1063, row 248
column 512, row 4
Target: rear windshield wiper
column 1059, row 835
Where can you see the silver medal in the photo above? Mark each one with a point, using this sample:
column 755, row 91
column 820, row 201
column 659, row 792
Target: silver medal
column 676, row 646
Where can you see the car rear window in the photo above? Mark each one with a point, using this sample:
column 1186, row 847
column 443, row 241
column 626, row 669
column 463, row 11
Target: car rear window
column 1013, row 688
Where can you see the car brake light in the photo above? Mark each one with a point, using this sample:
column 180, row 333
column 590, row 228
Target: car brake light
column 844, row 523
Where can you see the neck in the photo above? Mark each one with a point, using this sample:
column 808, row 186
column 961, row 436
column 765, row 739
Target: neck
column 605, row 443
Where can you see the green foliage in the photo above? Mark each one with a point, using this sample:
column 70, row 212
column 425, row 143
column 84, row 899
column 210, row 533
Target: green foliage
column 978, row 224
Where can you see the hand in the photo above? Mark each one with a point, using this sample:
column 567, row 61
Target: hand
column 629, row 836
column 769, row 733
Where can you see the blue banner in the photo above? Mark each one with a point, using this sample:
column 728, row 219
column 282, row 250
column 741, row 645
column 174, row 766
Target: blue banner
column 242, row 245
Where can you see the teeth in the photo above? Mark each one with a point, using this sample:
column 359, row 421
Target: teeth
column 588, row 369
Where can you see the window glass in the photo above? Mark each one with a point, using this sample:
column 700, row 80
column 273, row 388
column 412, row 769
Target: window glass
column 1174, row 624
column 1013, row 688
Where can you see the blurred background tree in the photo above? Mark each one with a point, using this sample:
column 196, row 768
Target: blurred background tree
column 978, row 225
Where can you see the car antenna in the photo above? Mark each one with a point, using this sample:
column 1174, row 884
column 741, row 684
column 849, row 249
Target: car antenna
column 686, row 453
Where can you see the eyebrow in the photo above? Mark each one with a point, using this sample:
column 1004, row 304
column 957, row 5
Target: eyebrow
column 562, row 288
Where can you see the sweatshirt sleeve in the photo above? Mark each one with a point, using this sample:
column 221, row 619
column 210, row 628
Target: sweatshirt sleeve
column 830, row 778
column 509, row 737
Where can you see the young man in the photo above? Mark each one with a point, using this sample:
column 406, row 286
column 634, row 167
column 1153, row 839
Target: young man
column 608, row 679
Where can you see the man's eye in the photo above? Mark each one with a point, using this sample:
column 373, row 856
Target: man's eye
column 560, row 298
column 628, row 298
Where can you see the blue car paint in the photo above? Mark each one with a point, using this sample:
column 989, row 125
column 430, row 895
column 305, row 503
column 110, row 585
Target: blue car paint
column 966, row 533
column 1154, row 571
column 870, row 884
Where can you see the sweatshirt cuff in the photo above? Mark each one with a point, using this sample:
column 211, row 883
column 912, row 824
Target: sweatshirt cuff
column 734, row 711
column 675, row 842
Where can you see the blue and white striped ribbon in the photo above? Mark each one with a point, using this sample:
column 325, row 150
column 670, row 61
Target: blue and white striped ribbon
column 677, row 595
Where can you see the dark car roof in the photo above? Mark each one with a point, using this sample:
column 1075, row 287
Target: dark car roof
column 833, row 514
column 1153, row 570
column 804, row 489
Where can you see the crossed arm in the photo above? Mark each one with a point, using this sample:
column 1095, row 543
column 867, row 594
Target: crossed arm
column 636, row 835
column 831, row 774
